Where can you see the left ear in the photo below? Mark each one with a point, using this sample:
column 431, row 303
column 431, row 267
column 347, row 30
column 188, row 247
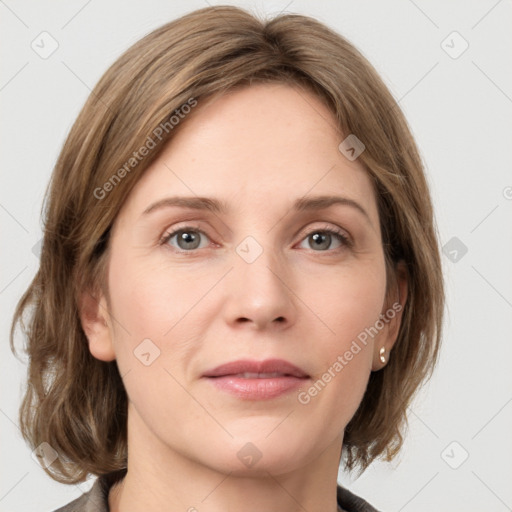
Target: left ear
column 391, row 317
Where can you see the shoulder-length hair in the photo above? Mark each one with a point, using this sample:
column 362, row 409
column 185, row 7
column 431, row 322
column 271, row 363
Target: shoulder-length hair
column 77, row 403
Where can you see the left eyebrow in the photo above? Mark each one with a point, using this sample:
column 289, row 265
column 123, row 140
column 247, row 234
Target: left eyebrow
column 323, row 202
column 216, row 206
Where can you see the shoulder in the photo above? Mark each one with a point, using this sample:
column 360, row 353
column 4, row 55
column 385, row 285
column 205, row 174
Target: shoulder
column 96, row 498
column 349, row 502
column 90, row 501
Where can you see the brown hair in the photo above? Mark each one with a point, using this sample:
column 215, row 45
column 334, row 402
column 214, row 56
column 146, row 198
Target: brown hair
column 77, row 403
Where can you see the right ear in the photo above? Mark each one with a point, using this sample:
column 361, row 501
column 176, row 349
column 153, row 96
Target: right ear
column 95, row 320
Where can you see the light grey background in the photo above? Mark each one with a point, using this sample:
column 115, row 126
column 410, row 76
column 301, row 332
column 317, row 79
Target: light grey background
column 459, row 110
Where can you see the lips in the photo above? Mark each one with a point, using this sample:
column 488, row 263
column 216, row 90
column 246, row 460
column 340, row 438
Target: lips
column 256, row 380
column 249, row 369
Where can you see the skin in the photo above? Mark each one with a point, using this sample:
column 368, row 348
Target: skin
column 258, row 149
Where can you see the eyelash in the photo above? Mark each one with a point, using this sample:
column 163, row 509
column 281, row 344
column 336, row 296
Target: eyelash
column 345, row 241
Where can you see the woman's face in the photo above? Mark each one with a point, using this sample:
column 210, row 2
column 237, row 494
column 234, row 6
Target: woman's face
column 249, row 277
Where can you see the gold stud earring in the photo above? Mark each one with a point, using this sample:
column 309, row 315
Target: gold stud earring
column 382, row 358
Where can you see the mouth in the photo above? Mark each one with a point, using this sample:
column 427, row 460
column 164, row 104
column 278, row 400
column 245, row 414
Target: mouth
column 257, row 380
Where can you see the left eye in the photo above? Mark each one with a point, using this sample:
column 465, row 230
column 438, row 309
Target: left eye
column 322, row 238
column 189, row 238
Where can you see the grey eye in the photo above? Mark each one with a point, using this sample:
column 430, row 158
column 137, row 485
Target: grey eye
column 186, row 239
column 322, row 239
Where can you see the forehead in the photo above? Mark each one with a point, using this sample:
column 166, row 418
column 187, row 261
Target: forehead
column 262, row 146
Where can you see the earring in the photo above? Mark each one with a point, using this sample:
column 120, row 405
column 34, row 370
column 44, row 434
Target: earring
column 382, row 358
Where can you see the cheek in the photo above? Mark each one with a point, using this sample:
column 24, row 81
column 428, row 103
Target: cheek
column 348, row 307
column 149, row 300
column 164, row 304
column 153, row 307
column 348, row 301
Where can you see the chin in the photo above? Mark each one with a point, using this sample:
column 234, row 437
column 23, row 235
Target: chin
column 259, row 456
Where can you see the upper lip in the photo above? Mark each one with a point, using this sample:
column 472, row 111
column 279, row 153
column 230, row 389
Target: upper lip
column 252, row 366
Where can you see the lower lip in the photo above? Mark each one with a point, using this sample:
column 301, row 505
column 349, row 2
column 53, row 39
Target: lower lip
column 257, row 389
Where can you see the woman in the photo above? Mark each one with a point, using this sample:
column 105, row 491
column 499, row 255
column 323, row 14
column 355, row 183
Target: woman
column 240, row 283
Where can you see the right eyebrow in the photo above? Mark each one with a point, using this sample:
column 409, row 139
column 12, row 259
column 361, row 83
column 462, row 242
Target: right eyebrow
column 195, row 203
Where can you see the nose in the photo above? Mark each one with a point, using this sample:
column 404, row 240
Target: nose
column 260, row 292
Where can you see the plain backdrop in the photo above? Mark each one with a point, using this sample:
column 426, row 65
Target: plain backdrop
column 449, row 66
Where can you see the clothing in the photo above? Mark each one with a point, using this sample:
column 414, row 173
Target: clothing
column 96, row 499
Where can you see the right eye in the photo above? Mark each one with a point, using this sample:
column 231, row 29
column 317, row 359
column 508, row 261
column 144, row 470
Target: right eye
column 187, row 238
